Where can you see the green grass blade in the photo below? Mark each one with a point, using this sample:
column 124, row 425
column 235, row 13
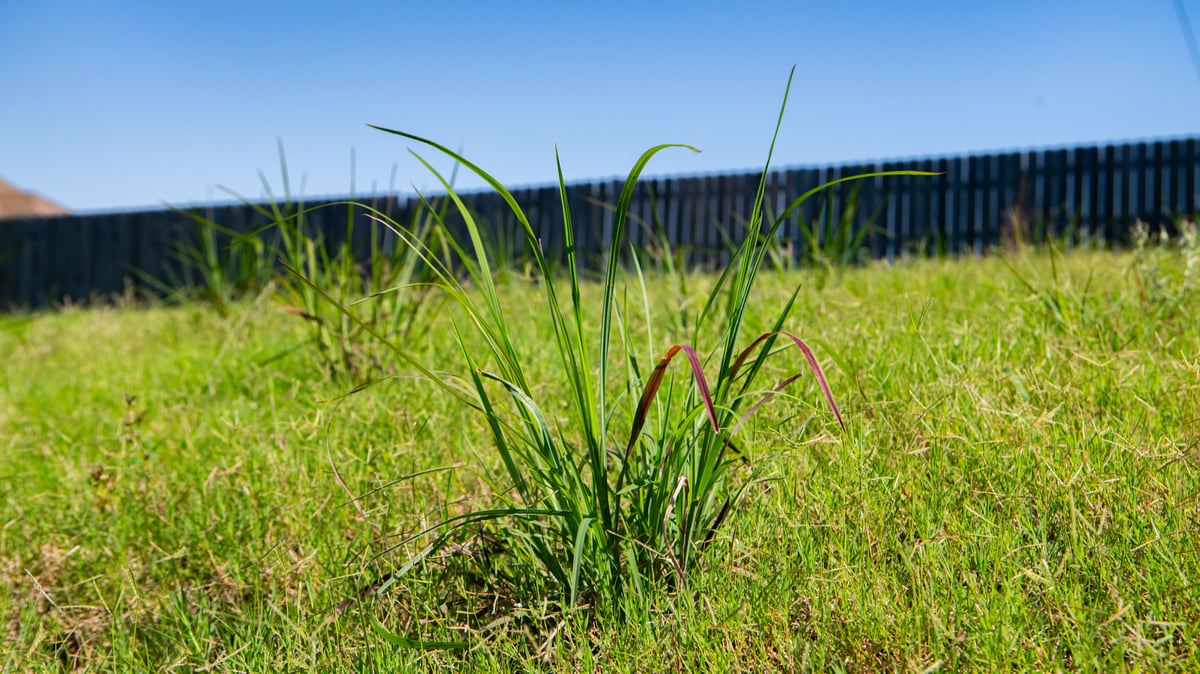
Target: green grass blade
column 610, row 276
column 416, row 644
column 577, row 557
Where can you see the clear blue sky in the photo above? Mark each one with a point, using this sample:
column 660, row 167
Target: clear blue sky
column 115, row 105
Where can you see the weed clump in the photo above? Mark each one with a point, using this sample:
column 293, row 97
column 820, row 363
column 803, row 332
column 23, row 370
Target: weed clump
column 634, row 494
column 1167, row 272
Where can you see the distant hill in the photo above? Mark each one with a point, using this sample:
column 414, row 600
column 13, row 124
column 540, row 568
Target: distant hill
column 15, row 203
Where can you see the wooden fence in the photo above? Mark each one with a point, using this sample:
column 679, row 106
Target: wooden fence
column 1092, row 193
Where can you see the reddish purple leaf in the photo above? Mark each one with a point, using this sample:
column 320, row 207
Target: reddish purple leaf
column 656, row 377
column 648, row 393
column 812, row 362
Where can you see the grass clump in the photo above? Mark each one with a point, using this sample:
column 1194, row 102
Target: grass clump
column 385, row 282
column 632, row 488
column 1166, row 282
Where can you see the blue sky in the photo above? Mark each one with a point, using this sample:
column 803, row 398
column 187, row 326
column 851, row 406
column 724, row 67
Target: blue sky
column 120, row 105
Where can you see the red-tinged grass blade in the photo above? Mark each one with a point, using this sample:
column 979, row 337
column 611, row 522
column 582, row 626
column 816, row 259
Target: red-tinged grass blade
column 651, row 389
column 606, row 309
column 416, row 644
column 812, row 363
column 300, row 312
column 652, row 385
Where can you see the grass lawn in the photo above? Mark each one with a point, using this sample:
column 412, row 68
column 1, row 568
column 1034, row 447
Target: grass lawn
column 1017, row 488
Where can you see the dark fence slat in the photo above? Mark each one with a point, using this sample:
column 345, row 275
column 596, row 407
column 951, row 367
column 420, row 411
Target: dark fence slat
column 1187, row 176
column 1180, row 180
column 1089, row 199
column 1104, row 204
column 668, row 197
column 1157, row 170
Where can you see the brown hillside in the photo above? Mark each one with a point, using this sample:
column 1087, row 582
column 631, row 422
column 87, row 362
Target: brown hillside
column 17, row 204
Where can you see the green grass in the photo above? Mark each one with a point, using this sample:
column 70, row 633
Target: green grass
column 1017, row 487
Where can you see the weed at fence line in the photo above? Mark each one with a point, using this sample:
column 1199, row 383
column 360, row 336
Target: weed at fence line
column 389, row 291
column 1167, row 274
column 1039, row 233
column 212, row 272
column 387, row 287
column 1021, row 231
column 1166, row 282
column 832, row 241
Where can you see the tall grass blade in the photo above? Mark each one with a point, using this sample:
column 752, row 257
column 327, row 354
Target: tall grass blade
column 812, row 363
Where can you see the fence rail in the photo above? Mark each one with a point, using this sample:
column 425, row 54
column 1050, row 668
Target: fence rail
column 1094, row 192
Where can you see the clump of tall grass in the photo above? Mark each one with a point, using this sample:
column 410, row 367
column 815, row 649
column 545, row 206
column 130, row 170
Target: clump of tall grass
column 214, row 264
column 634, row 494
column 1166, row 281
column 832, row 241
column 385, row 285
column 387, row 289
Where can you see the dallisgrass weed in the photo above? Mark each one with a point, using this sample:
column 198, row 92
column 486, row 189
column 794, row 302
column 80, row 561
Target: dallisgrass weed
column 387, row 291
column 833, row 241
column 216, row 273
column 386, row 285
column 630, row 492
column 389, row 283
column 1166, row 281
